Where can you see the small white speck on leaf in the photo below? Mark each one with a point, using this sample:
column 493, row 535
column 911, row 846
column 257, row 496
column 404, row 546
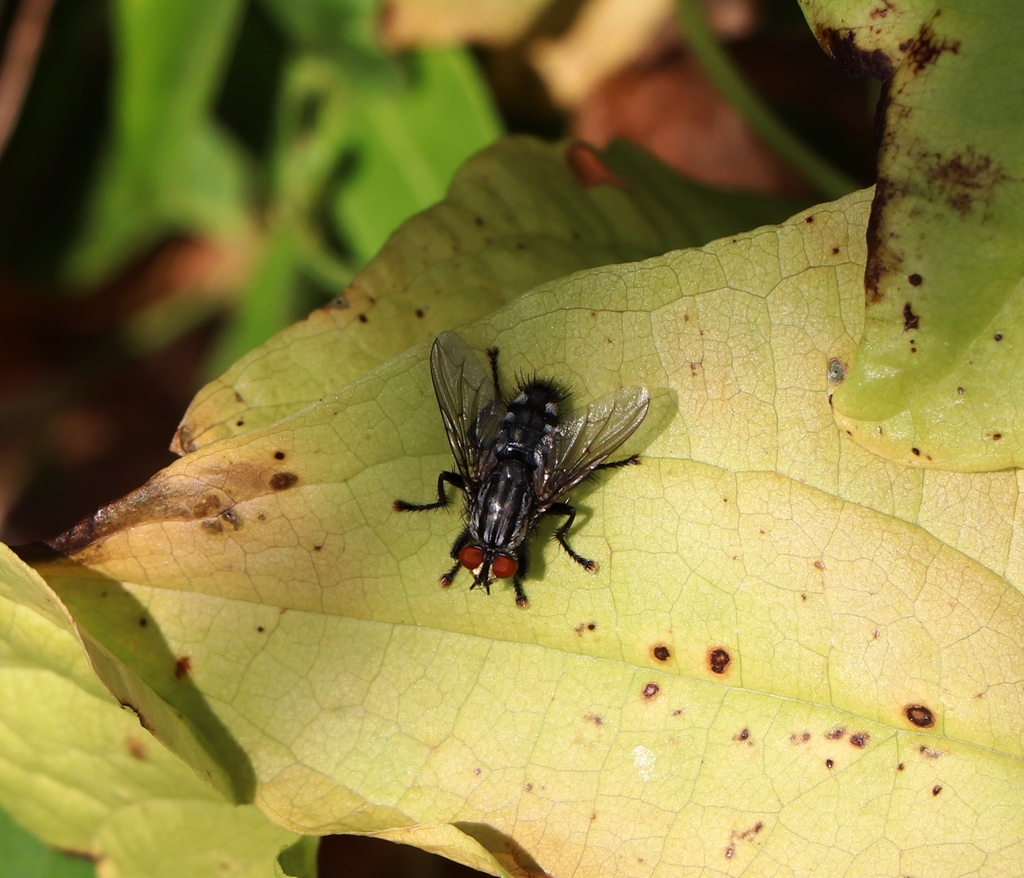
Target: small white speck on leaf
column 644, row 761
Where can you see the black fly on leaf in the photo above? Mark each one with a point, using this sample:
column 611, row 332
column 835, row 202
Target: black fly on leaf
column 517, row 458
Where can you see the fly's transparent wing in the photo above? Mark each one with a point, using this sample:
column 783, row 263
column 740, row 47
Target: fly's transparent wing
column 466, row 396
column 587, row 440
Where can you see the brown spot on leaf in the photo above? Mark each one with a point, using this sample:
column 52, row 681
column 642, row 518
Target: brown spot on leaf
column 206, row 506
column 182, row 667
column 212, row 525
column 651, row 690
column 835, row 734
column 594, row 718
column 928, row 48
column 801, row 738
column 936, row 789
column 260, row 629
column 928, row 752
column 718, row 660
column 143, row 622
column 916, row 452
column 854, row 61
column 899, row 767
column 136, row 749
column 88, row 856
column 661, row 653
column 915, row 280
column 421, row 313
column 142, row 720
column 283, row 480
column 363, row 318
column 919, row 715
column 860, row 739
column 998, row 336
column 745, row 835
column 819, row 564
column 883, row 10
column 279, row 455
column 589, row 168
column 910, row 319
column 231, row 516
column 829, row 763
column 964, row 179
column 741, row 735
column 881, row 259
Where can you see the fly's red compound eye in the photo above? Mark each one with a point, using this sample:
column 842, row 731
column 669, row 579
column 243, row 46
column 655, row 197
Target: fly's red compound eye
column 504, row 566
column 471, row 557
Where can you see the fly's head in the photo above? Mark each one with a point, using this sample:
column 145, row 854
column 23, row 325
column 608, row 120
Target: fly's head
column 487, row 564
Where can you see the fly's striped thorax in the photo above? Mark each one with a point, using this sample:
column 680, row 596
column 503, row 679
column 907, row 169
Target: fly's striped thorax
column 504, row 507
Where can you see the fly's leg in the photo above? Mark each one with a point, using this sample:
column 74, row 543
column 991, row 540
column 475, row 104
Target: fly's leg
column 460, row 541
column 449, row 577
column 560, row 534
column 615, row 464
column 522, row 562
column 492, row 356
column 453, row 479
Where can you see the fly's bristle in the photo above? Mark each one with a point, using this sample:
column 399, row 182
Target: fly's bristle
column 544, row 387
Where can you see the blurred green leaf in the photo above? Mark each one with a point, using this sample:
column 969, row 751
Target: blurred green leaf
column 265, row 301
column 25, row 856
column 408, row 144
column 342, row 31
column 168, row 167
column 936, row 378
column 405, row 143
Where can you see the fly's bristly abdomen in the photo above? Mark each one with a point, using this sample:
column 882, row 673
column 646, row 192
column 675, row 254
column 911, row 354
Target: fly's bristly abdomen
column 530, row 427
column 517, row 458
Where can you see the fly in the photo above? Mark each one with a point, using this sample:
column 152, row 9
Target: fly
column 517, row 458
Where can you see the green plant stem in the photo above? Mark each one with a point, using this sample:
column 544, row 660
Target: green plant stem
column 829, row 181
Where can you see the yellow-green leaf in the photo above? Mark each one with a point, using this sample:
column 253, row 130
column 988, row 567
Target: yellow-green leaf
column 794, row 657
column 518, row 214
column 78, row 770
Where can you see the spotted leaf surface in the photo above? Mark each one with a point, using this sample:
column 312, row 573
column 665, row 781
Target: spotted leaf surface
column 794, row 655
